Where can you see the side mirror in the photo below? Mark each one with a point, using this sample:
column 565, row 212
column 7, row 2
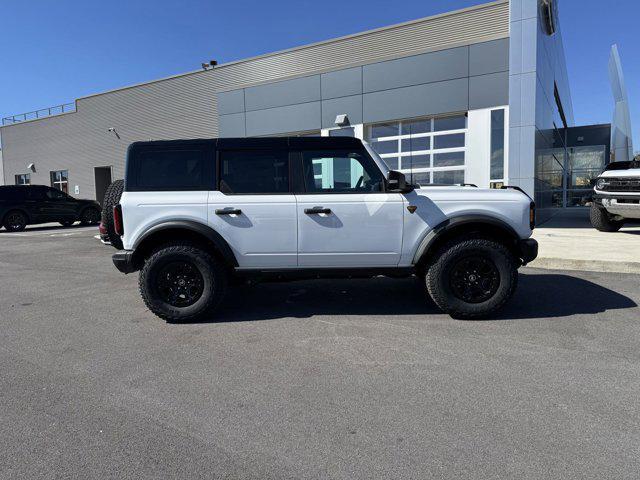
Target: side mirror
column 397, row 182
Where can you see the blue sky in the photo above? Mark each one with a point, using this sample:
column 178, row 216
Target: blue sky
column 54, row 52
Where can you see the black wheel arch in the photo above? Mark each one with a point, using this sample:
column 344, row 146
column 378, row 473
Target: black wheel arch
column 183, row 230
column 483, row 226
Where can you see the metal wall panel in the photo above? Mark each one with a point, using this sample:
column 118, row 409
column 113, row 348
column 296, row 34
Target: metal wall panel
column 280, row 94
column 341, row 83
column 489, row 57
column 352, row 106
column 489, row 90
column 185, row 106
column 232, row 125
column 231, row 102
column 426, row 68
column 416, row 101
column 292, row 118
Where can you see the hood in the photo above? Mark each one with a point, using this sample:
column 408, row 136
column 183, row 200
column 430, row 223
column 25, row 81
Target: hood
column 631, row 172
column 470, row 194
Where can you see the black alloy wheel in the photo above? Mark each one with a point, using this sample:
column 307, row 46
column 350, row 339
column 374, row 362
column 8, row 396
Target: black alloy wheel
column 90, row 216
column 179, row 284
column 15, row 221
column 474, row 279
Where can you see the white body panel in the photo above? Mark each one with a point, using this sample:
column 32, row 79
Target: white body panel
column 143, row 210
column 264, row 234
column 361, row 230
column 611, row 205
column 631, row 172
column 438, row 204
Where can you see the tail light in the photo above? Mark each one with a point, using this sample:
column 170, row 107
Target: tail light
column 117, row 220
column 532, row 215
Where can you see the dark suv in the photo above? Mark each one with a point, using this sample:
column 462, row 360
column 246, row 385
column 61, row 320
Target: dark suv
column 22, row 205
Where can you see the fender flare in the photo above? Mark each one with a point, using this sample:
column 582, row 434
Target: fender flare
column 197, row 227
column 447, row 225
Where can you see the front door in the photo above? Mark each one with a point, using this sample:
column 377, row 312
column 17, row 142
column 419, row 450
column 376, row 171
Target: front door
column 345, row 218
column 58, row 205
column 253, row 207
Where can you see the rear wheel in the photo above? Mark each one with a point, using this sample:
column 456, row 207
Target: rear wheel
column 182, row 283
column 90, row 216
column 15, row 221
column 111, row 198
column 472, row 278
column 601, row 220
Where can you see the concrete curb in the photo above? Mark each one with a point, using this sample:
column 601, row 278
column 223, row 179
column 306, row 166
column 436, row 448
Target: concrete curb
column 585, row 265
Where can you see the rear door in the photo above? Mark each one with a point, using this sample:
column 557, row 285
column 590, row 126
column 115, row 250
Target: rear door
column 345, row 217
column 58, row 205
column 253, row 207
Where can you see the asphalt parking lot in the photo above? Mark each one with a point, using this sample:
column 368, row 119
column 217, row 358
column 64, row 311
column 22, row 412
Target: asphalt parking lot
column 326, row 379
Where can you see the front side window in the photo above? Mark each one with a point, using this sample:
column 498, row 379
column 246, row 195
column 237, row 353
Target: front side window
column 254, row 171
column 23, row 179
column 427, row 150
column 340, row 171
column 55, row 194
column 60, row 180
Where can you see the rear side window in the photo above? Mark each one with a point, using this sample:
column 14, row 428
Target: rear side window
column 171, row 168
column 13, row 194
column 254, row 171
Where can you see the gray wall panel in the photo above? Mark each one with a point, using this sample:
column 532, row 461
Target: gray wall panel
column 429, row 99
column 292, row 118
column 231, row 102
column 342, row 83
column 352, row 106
column 427, row 68
column 232, row 125
column 489, row 57
column 489, row 90
column 289, row 92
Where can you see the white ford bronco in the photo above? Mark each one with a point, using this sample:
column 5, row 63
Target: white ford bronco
column 199, row 215
column 617, row 196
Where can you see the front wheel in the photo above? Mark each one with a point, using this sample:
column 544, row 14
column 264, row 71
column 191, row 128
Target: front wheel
column 601, row 221
column 182, row 283
column 472, row 278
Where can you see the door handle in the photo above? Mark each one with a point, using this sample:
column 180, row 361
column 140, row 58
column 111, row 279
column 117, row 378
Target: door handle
column 228, row 211
column 316, row 210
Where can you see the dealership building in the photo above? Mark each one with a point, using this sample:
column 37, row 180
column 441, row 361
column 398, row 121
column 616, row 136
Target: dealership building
column 478, row 95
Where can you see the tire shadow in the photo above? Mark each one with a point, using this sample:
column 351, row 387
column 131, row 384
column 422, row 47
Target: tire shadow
column 539, row 296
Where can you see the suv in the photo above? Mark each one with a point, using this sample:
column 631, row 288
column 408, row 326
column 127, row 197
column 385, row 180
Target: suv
column 22, row 205
column 196, row 214
column 617, row 196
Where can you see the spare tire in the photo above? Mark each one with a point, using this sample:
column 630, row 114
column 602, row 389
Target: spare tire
column 111, row 198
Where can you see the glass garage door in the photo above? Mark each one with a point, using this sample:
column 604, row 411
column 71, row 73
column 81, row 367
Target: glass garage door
column 427, row 150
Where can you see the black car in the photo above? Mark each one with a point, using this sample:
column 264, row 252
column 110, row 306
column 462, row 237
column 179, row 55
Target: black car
column 22, row 205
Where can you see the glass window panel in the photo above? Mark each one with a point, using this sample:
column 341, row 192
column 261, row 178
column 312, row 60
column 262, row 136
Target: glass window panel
column 421, row 178
column 343, row 132
column 388, row 146
column 411, row 127
column 579, row 198
column 342, row 171
column 392, row 162
column 497, row 144
column 385, row 130
column 584, row 178
column 449, row 177
column 171, row 168
column 416, row 161
column 449, row 141
column 449, row 159
column 587, row 157
column 255, row 171
column 449, row 123
column 416, row 143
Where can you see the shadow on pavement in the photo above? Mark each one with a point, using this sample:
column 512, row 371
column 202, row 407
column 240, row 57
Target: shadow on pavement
column 538, row 296
column 49, row 227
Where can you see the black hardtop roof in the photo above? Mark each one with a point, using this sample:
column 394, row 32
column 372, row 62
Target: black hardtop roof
column 266, row 142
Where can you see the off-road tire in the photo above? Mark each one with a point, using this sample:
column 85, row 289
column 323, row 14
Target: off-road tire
column 439, row 276
column 601, row 221
column 90, row 216
column 15, row 221
column 111, row 198
column 213, row 274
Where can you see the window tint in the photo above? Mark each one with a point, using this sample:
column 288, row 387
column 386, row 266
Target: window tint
column 12, row 193
column 340, row 171
column 54, row 194
column 168, row 169
column 254, row 171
